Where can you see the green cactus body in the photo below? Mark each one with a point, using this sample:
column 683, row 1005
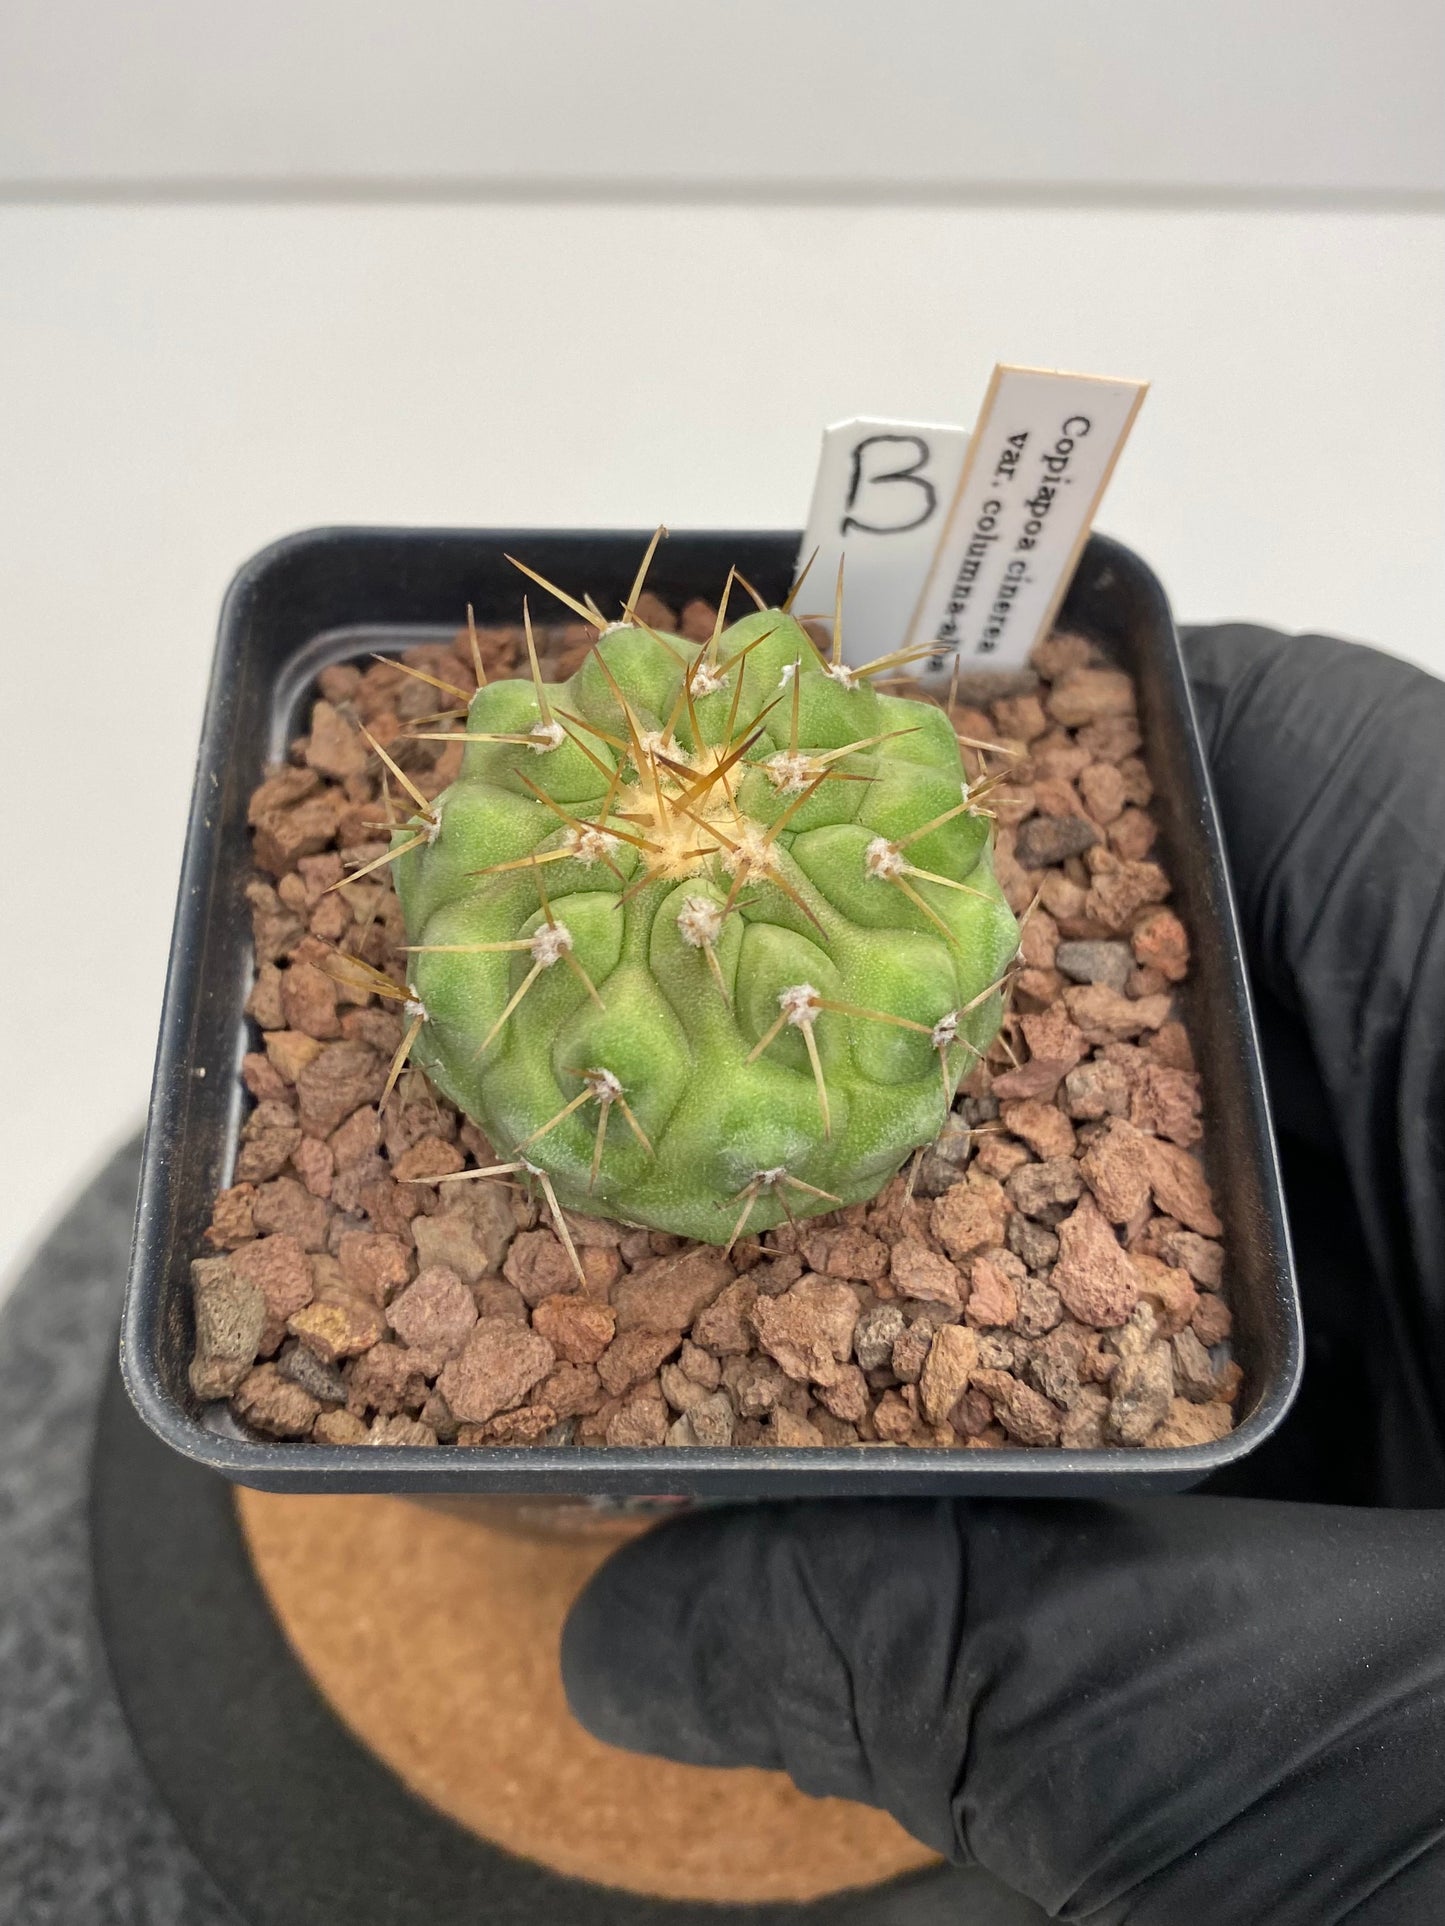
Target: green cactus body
column 675, row 935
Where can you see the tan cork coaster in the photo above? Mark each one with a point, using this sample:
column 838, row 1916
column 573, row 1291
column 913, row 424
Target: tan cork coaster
column 434, row 1638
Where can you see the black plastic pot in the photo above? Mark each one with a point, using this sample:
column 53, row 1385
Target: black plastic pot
column 336, row 593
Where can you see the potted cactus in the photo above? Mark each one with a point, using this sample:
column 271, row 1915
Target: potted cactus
column 644, row 1084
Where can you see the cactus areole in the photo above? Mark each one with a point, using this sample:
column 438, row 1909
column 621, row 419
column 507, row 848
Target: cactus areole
column 707, row 935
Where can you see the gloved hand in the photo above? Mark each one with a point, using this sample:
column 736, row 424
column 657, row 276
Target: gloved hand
column 1204, row 1709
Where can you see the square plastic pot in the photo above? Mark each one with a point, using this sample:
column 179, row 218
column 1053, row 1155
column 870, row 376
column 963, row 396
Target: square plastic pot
column 331, row 594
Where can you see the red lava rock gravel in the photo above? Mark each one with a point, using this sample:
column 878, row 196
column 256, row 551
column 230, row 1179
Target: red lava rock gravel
column 1049, row 1273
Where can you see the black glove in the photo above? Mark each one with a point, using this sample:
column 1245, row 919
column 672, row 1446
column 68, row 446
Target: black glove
column 1201, row 1709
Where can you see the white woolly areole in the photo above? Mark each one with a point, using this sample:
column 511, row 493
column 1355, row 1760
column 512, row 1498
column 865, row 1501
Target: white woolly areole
column 883, row 859
column 603, row 1085
column 773, row 1176
column 657, row 742
column 548, row 735
column 800, row 1004
column 550, row 944
column 615, row 628
column 700, row 921
column 753, row 852
column 707, row 680
column 790, row 771
column 945, row 1031
column 414, row 1007
column 590, row 845
column 842, row 674
column 786, row 674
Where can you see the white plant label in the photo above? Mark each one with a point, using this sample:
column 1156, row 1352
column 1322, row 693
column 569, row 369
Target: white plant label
column 1037, row 465
column 879, row 503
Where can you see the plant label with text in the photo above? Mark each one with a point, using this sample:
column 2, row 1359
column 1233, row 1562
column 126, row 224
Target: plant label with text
column 882, row 492
column 1037, row 465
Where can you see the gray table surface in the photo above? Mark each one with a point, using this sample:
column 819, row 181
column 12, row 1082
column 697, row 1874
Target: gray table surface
column 83, row 1839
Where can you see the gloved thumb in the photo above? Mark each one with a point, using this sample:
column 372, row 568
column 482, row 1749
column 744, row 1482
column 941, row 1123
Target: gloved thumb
column 1161, row 1711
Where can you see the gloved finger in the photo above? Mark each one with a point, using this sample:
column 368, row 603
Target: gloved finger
column 1160, row 1712
column 1328, row 768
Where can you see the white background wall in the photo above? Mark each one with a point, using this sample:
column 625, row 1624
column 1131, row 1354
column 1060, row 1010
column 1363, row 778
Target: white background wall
column 616, row 262
column 1260, row 95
